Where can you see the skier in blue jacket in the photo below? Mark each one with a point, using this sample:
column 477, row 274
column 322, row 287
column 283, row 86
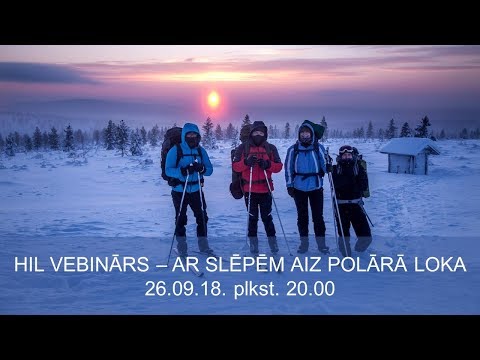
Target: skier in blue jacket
column 193, row 164
column 304, row 171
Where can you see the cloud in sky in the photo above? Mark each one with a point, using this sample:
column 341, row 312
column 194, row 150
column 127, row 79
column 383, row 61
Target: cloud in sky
column 42, row 73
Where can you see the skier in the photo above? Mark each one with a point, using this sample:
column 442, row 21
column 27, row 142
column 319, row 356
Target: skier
column 255, row 158
column 189, row 167
column 350, row 180
column 304, row 171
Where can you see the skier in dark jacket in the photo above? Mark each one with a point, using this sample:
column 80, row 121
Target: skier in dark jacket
column 192, row 166
column 350, row 180
column 304, row 171
column 257, row 156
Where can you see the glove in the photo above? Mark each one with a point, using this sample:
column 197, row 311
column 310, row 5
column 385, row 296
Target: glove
column 291, row 191
column 250, row 161
column 199, row 167
column 264, row 164
column 187, row 170
column 329, row 168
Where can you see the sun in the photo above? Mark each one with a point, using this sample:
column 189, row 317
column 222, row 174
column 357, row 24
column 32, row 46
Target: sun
column 213, row 99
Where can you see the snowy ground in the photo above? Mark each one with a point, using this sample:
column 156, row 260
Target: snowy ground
column 101, row 204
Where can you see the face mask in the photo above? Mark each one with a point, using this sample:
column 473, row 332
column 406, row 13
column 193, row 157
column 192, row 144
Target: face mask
column 307, row 140
column 192, row 142
column 258, row 139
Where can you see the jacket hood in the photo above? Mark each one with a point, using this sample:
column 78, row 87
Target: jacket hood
column 304, row 124
column 259, row 125
column 188, row 127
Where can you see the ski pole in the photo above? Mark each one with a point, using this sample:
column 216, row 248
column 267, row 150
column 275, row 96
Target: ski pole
column 176, row 218
column 365, row 212
column 335, row 203
column 248, row 207
column 201, row 201
column 278, row 214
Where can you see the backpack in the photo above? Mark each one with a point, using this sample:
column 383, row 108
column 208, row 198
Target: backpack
column 236, row 186
column 363, row 164
column 296, row 151
column 173, row 137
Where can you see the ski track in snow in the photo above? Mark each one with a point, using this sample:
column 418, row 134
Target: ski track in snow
column 102, row 204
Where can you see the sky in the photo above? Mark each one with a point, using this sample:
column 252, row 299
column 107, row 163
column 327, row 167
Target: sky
column 337, row 80
column 98, row 204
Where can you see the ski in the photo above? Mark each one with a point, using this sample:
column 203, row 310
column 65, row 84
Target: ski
column 191, row 269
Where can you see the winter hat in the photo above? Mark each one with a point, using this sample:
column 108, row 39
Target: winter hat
column 259, row 125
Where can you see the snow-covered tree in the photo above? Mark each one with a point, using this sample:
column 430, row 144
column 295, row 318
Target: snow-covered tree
column 405, row 131
column 37, row 139
column 79, row 138
column 96, row 136
column 229, row 132
column 10, row 145
column 208, row 140
column 123, row 133
column 2, row 143
column 287, row 131
column 109, row 135
column 53, row 140
column 325, row 125
column 136, row 143
column 235, row 138
column 295, row 133
column 143, row 135
column 27, row 142
column 154, row 135
column 391, row 131
column 381, row 134
column 218, row 132
column 422, row 129
column 464, row 133
column 370, row 130
column 246, row 121
column 68, row 142
column 442, row 134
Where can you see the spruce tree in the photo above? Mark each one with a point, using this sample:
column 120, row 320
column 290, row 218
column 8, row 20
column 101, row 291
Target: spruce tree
column 218, row 132
column 68, row 142
column 154, row 135
column 246, row 121
column 136, row 143
column 10, row 145
column 208, row 140
column 325, row 125
column 391, row 131
column 143, row 135
column 53, row 140
column 27, row 142
column 109, row 135
column 405, row 131
column 37, row 139
column 230, row 132
column 370, row 130
column 422, row 129
column 123, row 133
column 287, row 131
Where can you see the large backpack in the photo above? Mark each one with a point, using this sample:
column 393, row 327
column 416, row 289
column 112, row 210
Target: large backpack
column 363, row 164
column 173, row 137
column 236, row 186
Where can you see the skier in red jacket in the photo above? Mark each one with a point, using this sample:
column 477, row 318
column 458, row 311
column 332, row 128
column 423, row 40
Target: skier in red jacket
column 253, row 159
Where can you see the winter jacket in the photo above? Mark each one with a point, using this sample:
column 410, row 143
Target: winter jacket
column 259, row 183
column 306, row 162
column 349, row 186
column 189, row 155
